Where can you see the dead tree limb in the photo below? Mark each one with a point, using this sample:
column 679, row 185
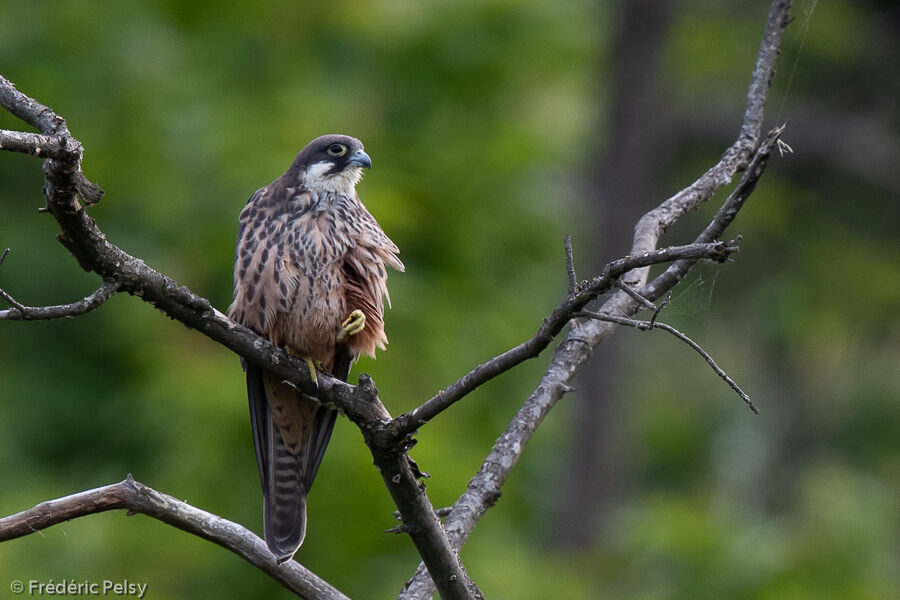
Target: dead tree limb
column 136, row 497
column 20, row 312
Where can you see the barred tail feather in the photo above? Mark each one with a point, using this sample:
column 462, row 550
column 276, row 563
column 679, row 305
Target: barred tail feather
column 280, row 475
column 284, row 497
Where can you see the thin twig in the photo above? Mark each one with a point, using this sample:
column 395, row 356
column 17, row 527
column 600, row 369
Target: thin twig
column 648, row 325
column 17, row 306
column 724, row 216
column 644, row 301
column 661, row 306
column 631, row 292
column 570, row 265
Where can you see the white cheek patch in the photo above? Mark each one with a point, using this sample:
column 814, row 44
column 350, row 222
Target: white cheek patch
column 315, row 171
column 317, row 179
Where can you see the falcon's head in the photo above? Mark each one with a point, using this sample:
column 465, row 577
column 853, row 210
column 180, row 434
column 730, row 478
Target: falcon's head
column 332, row 164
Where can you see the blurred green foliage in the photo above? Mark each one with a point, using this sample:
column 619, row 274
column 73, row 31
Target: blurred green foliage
column 482, row 117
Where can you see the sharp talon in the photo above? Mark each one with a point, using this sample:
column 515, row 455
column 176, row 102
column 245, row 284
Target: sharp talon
column 354, row 324
column 312, row 365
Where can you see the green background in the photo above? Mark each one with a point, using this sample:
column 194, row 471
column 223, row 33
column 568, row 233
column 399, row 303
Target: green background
column 486, row 121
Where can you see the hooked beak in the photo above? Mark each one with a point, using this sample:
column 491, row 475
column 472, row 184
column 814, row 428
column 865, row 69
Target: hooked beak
column 361, row 159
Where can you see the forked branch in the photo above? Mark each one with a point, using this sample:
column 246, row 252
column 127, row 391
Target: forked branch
column 745, row 154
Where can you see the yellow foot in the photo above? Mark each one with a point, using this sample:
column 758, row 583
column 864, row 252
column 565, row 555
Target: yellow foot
column 312, row 365
column 355, row 323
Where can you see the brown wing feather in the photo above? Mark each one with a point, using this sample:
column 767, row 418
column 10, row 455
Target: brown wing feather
column 362, row 291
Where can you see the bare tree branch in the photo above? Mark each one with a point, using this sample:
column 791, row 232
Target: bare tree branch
column 136, row 497
column 484, row 488
column 723, row 218
column 20, row 312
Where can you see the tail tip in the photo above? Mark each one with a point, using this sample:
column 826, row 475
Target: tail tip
column 283, row 552
column 284, row 541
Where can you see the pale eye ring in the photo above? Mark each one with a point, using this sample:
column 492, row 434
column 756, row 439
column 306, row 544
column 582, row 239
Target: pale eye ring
column 337, row 150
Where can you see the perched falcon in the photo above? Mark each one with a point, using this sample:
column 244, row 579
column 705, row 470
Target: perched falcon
column 310, row 275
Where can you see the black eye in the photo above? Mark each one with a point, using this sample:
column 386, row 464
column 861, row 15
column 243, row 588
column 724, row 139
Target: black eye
column 337, row 150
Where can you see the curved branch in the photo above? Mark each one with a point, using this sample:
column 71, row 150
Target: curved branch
column 19, row 312
column 138, row 498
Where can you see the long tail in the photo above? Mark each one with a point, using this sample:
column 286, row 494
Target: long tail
column 287, row 463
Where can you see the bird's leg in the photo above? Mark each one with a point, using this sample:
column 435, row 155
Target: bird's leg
column 312, row 365
column 355, row 323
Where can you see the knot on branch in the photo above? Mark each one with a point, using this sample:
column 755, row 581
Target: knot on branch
column 491, row 497
column 89, row 191
column 722, row 251
column 366, row 386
